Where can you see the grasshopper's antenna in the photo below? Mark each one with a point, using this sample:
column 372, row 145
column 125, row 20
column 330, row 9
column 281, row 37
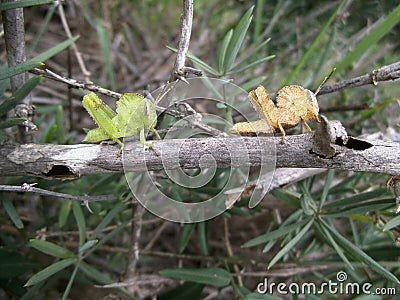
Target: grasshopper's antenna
column 323, row 81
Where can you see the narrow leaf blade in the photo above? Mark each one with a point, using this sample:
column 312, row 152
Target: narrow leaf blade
column 210, row 276
column 54, row 50
column 291, row 244
column 49, row 271
column 12, row 213
column 23, row 3
column 21, row 68
column 274, row 234
column 362, row 256
column 50, row 248
column 80, row 220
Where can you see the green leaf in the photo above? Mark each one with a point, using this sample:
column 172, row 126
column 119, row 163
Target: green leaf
column 106, row 51
column 54, row 50
column 107, row 219
column 328, row 181
column 360, row 255
column 92, row 273
column 211, row 276
column 361, row 208
column 361, row 197
column 19, row 95
column 287, row 197
column 222, row 51
column 374, row 36
column 239, row 33
column 23, row 3
column 274, row 234
column 64, row 212
column 307, row 204
column 251, row 65
column 87, row 245
column 392, row 224
column 292, row 243
column 249, row 85
column 49, row 271
column 51, row 249
column 259, row 21
column 108, row 236
column 12, row 213
column 71, row 281
column 198, row 63
column 333, row 243
column 202, row 236
column 313, row 46
column 21, row 68
column 186, row 233
column 12, row 122
column 44, row 24
column 366, row 115
column 60, row 125
column 80, row 220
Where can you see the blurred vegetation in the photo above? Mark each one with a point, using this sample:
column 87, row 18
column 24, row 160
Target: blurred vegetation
column 305, row 232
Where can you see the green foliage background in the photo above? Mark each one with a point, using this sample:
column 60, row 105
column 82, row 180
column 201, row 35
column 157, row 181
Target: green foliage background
column 306, row 232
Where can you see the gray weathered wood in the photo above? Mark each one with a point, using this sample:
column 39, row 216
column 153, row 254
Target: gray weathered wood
column 71, row 161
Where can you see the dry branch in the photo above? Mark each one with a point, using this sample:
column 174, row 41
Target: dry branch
column 385, row 73
column 14, row 34
column 72, row 161
column 184, row 39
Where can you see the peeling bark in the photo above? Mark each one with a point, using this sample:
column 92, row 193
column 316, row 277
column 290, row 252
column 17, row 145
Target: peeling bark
column 72, row 161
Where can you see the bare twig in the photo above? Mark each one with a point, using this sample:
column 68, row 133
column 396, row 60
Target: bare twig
column 229, row 250
column 385, row 73
column 75, row 83
column 191, row 116
column 78, row 55
column 14, row 33
column 28, row 188
column 350, row 107
column 133, row 254
column 184, row 39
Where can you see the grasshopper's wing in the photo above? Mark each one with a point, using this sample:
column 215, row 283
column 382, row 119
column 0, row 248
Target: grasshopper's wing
column 102, row 114
column 134, row 113
column 261, row 101
column 96, row 136
column 128, row 119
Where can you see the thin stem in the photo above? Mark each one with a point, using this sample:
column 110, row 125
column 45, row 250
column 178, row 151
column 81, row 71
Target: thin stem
column 184, row 40
column 28, row 188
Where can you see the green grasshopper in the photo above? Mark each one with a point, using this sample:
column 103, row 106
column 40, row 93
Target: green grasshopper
column 134, row 114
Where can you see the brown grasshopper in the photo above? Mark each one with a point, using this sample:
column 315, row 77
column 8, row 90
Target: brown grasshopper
column 293, row 104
